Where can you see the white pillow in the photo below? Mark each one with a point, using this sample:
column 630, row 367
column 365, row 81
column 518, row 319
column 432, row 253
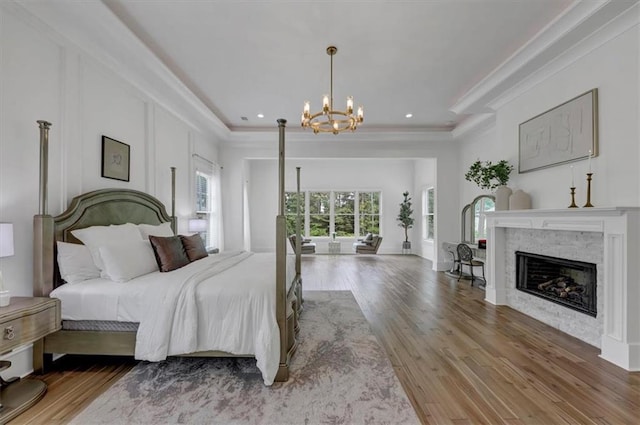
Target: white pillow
column 96, row 236
column 124, row 261
column 75, row 263
column 162, row 230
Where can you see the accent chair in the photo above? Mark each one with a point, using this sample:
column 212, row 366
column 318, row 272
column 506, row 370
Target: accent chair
column 308, row 247
column 368, row 245
column 465, row 257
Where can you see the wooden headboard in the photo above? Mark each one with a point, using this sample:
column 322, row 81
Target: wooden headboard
column 98, row 208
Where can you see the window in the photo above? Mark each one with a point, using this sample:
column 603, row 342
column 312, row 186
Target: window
column 207, row 201
column 203, row 202
column 290, row 207
column 319, row 213
column 369, row 212
column 347, row 213
column 428, row 214
column 344, row 213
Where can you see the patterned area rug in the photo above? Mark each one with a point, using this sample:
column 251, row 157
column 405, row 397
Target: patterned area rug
column 339, row 375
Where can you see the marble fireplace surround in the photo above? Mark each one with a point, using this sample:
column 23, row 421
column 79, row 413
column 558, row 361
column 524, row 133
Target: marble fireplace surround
column 618, row 320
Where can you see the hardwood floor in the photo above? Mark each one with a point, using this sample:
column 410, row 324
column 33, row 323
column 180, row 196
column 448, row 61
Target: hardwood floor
column 460, row 360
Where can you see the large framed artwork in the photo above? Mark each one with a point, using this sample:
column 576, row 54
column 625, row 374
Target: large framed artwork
column 566, row 133
column 115, row 159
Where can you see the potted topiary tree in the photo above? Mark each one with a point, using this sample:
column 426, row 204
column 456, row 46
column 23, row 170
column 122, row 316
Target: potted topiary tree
column 405, row 220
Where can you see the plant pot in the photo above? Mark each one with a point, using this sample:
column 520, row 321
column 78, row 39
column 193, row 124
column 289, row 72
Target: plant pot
column 502, row 198
column 519, row 200
column 406, row 247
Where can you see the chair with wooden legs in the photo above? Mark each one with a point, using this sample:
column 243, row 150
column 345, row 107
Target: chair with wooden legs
column 465, row 257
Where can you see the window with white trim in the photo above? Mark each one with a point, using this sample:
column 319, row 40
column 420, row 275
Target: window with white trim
column 347, row 213
column 428, row 214
column 207, row 200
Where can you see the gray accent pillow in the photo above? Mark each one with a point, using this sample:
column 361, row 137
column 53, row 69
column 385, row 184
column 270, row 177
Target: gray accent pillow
column 194, row 247
column 169, row 252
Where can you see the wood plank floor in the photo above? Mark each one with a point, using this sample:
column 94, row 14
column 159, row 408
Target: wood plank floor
column 460, row 360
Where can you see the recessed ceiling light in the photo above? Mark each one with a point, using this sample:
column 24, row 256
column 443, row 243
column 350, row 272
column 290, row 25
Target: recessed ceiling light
column 408, row 115
column 244, row 118
column 260, row 115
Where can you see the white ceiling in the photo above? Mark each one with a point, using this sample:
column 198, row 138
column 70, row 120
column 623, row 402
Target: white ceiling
column 241, row 58
column 451, row 63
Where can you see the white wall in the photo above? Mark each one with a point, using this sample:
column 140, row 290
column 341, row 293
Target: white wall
column 45, row 77
column 613, row 69
column 424, row 178
column 343, row 148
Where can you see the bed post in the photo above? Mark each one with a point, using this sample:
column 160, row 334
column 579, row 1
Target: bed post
column 43, row 242
column 174, row 224
column 298, row 222
column 281, row 265
column 43, row 246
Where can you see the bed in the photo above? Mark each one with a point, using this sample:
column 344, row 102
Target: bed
column 227, row 304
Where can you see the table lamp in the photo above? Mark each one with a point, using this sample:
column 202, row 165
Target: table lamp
column 197, row 225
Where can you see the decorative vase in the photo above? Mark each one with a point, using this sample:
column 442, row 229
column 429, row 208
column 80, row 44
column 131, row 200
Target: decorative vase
column 502, row 198
column 520, row 200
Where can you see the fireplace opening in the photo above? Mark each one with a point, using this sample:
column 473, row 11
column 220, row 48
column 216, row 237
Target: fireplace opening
column 567, row 282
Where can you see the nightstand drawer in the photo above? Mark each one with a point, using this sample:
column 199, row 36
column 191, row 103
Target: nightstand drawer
column 25, row 321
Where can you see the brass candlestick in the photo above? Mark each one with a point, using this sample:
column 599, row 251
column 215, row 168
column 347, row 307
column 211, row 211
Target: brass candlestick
column 588, row 204
column 573, row 198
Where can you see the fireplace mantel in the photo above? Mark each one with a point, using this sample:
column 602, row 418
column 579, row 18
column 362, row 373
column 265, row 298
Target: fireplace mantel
column 620, row 226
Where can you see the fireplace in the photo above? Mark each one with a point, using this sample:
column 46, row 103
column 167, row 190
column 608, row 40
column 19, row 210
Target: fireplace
column 567, row 282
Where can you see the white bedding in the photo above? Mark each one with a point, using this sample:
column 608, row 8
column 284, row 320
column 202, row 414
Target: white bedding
column 232, row 310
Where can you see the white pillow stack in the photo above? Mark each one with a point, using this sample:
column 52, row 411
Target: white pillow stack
column 116, row 252
column 123, row 262
column 75, row 263
column 96, row 237
column 162, row 230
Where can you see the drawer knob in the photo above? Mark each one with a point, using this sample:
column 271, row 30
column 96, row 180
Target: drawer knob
column 9, row 333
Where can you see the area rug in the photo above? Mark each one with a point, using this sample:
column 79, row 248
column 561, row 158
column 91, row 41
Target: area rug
column 339, row 375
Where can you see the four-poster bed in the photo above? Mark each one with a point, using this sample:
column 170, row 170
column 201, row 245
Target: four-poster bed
column 109, row 207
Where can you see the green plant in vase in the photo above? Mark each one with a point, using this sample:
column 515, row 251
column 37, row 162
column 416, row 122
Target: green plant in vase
column 488, row 175
column 494, row 177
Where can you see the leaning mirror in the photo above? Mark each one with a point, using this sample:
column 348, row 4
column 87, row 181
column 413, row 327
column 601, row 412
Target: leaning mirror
column 466, row 227
column 474, row 218
column 480, row 206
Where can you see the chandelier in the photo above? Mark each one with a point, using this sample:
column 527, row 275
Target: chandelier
column 330, row 120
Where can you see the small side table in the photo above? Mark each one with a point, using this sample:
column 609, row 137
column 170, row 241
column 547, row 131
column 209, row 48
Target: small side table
column 23, row 321
column 334, row 247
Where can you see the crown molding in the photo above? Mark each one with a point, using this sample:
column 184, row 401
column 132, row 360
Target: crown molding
column 619, row 25
column 298, row 135
column 94, row 29
column 578, row 22
column 474, row 123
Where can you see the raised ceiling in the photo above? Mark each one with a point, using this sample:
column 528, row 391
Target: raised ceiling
column 450, row 63
column 242, row 58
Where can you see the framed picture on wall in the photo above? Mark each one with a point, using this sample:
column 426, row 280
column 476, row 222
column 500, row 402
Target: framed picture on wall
column 566, row 133
column 115, row 159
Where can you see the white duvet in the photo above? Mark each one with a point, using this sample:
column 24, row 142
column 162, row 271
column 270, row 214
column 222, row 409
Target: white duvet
column 224, row 302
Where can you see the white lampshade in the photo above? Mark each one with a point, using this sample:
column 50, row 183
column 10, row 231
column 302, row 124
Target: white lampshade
column 197, row 225
column 6, row 239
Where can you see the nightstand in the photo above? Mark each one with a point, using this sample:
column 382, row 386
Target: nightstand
column 24, row 321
